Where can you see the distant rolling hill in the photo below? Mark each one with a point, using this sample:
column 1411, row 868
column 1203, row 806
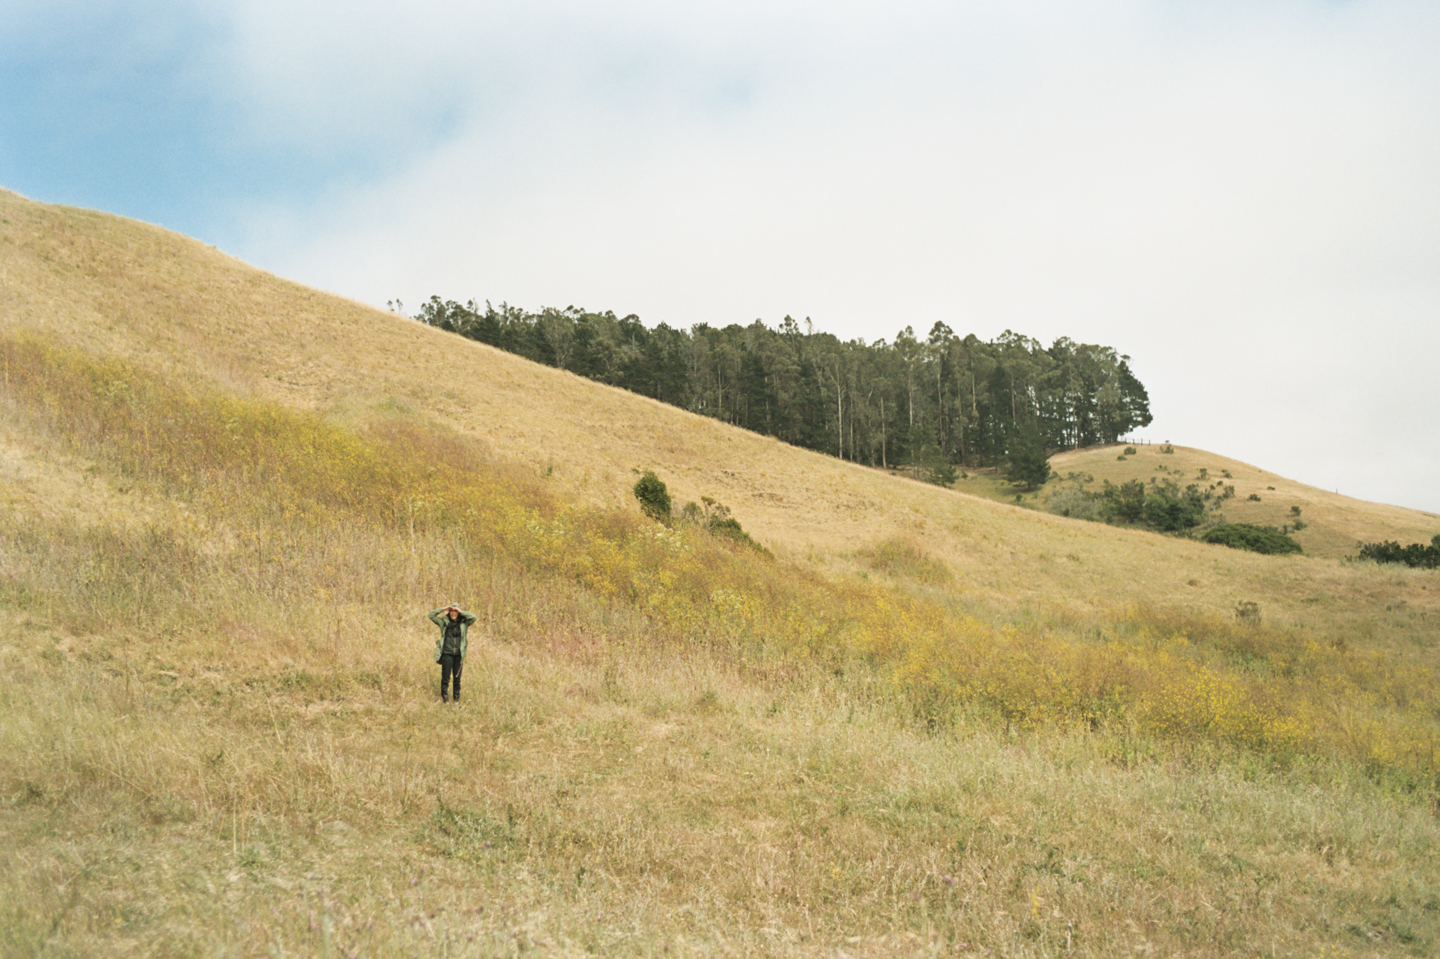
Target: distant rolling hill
column 115, row 287
column 1333, row 524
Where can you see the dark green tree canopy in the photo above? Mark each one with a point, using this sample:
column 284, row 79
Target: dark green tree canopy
column 1029, row 465
column 919, row 401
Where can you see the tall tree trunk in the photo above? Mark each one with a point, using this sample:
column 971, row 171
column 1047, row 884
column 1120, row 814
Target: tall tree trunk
column 884, row 463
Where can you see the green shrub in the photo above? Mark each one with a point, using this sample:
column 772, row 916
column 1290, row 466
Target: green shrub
column 1416, row 555
column 1028, row 464
column 942, row 474
column 1256, row 539
column 653, row 496
column 930, row 465
column 715, row 517
column 729, row 528
column 1127, row 501
column 1077, row 503
column 1170, row 509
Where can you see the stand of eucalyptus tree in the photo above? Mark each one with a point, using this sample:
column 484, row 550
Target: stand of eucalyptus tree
column 946, row 399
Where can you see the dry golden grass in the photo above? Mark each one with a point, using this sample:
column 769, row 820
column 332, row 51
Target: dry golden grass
column 648, row 809
column 218, row 736
column 128, row 290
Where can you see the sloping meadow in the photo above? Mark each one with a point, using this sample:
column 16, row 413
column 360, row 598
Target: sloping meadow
column 220, row 736
column 296, row 524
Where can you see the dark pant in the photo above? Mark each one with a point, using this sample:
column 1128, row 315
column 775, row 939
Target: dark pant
column 450, row 665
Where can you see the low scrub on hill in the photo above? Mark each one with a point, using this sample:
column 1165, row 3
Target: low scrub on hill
column 1415, row 555
column 1162, row 505
column 1255, row 538
column 654, row 499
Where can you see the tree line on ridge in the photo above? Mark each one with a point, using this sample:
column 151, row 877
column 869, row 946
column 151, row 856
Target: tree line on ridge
column 944, row 401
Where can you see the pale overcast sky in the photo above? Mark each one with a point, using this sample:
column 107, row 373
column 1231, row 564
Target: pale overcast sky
column 1244, row 197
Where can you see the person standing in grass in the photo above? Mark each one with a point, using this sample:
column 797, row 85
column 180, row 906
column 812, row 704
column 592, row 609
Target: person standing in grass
column 454, row 624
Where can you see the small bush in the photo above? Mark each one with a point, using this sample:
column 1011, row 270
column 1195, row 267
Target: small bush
column 1127, row 500
column 729, row 528
column 1170, row 510
column 1253, row 498
column 930, row 465
column 942, row 474
column 715, row 517
column 653, row 496
column 1076, row 503
column 1129, row 451
column 1249, row 536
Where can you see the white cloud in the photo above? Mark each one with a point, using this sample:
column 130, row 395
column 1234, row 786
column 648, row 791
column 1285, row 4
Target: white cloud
column 1235, row 195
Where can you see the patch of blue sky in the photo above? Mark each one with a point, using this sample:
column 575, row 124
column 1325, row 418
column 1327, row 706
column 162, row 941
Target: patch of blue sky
column 137, row 110
column 104, row 109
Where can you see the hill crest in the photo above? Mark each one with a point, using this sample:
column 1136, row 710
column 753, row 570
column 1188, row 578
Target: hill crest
column 121, row 288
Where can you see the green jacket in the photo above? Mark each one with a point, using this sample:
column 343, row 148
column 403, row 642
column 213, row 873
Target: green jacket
column 439, row 618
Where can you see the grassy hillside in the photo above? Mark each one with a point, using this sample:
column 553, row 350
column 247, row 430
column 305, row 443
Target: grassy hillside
column 930, row 724
column 1333, row 524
